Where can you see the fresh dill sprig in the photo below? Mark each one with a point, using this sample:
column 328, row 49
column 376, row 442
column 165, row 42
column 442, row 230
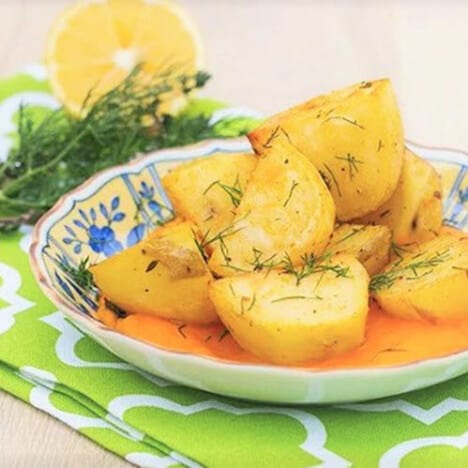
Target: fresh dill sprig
column 419, row 265
column 208, row 239
column 311, row 264
column 80, row 274
column 234, row 192
column 60, row 152
column 260, row 263
column 219, row 236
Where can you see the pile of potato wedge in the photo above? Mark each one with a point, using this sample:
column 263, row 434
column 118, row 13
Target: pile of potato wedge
column 286, row 245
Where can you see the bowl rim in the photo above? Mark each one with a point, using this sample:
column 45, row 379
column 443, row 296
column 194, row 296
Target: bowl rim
column 47, row 220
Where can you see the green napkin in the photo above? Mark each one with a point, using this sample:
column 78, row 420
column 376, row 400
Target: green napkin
column 47, row 362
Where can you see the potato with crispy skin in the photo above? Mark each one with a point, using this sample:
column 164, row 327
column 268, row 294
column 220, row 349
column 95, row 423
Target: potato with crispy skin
column 284, row 320
column 286, row 208
column 353, row 136
column 414, row 212
column 369, row 244
column 164, row 275
column 428, row 282
column 207, row 190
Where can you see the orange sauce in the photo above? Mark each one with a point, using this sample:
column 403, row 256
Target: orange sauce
column 389, row 340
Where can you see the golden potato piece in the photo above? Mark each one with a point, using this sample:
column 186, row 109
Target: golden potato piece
column 414, row 212
column 207, row 190
column 283, row 322
column 286, row 207
column 429, row 282
column 369, row 244
column 353, row 136
column 164, row 275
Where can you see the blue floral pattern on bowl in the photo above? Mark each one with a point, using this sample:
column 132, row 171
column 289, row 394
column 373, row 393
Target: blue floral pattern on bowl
column 99, row 232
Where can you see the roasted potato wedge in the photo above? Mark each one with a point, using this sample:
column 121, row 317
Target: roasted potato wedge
column 414, row 212
column 353, row 136
column 369, row 244
column 429, row 282
column 207, row 190
column 286, row 208
column 283, row 322
column 164, row 275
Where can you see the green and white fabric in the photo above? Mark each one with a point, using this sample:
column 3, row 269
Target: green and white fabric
column 47, row 362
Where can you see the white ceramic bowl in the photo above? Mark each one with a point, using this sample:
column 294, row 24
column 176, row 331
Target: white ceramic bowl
column 117, row 207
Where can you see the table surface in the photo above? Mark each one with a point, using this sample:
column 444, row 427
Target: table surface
column 267, row 56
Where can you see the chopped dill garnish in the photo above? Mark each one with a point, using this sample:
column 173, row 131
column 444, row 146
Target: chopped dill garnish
column 206, row 240
column 311, row 264
column 220, row 236
column 291, row 298
column 353, row 232
column 232, row 290
column 419, row 266
column 352, row 164
column 397, row 250
column 291, row 190
column 223, row 334
column 259, row 263
column 274, row 135
column 252, row 303
column 180, row 329
column 234, row 192
column 199, row 246
column 334, row 179
column 80, row 274
column 235, row 268
column 346, row 119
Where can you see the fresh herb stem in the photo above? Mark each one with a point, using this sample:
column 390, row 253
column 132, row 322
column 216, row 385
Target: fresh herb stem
column 292, row 298
column 311, row 264
column 290, row 194
column 80, row 274
column 333, row 178
column 234, row 192
column 421, row 265
column 353, row 232
column 62, row 151
column 12, row 188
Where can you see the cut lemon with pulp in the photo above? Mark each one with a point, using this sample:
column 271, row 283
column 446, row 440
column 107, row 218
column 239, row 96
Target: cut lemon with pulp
column 96, row 44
